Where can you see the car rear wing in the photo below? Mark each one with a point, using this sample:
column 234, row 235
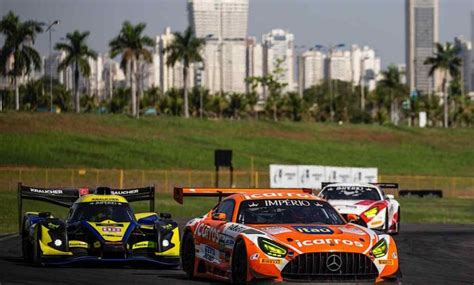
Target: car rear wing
column 381, row 185
column 180, row 192
column 137, row 194
column 58, row 196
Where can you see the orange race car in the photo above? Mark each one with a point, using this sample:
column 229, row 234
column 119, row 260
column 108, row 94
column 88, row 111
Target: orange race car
column 281, row 234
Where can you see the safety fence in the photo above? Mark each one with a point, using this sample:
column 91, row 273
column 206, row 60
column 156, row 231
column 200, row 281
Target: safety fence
column 165, row 180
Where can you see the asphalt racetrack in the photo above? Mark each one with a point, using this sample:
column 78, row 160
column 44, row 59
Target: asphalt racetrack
column 429, row 254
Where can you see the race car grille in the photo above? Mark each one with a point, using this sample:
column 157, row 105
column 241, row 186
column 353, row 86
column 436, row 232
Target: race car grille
column 330, row 266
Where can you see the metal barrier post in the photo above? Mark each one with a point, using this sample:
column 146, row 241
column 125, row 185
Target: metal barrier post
column 121, row 179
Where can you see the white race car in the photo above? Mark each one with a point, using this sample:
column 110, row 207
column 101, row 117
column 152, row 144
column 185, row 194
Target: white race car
column 365, row 204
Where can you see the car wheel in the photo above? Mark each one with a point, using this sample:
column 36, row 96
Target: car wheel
column 26, row 247
column 239, row 263
column 36, row 254
column 188, row 255
column 398, row 220
column 25, row 243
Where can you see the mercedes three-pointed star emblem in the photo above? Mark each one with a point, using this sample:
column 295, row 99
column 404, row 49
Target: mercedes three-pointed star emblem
column 333, row 263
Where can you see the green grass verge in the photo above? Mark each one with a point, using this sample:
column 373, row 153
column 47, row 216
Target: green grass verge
column 414, row 210
column 437, row 211
column 115, row 141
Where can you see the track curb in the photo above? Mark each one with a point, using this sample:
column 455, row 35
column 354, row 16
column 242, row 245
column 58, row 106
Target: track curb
column 5, row 237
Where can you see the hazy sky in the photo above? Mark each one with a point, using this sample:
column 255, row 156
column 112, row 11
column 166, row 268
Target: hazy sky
column 377, row 23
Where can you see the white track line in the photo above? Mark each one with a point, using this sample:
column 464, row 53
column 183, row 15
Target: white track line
column 7, row 237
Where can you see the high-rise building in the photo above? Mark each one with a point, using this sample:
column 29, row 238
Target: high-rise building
column 254, row 61
column 313, row 68
column 279, row 53
column 171, row 76
column 50, row 68
column 340, row 66
column 219, row 19
column 465, row 50
column 422, row 33
column 223, row 23
column 365, row 67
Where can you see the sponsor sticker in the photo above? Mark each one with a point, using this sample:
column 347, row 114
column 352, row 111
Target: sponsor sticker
column 111, row 229
column 355, row 231
column 287, row 202
column 377, row 223
column 386, row 261
column 254, row 256
column 207, row 232
column 275, row 230
column 236, row 228
column 275, row 195
column 314, row 230
column 47, row 191
column 124, row 192
column 210, row 253
column 271, row 261
column 53, row 226
column 328, row 241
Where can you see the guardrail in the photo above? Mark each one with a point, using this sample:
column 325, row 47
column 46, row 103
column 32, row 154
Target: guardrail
column 165, row 180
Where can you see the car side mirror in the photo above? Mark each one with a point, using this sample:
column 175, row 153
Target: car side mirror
column 165, row 216
column 390, row 196
column 219, row 216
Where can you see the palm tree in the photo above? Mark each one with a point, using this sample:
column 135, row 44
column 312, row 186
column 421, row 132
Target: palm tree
column 391, row 81
column 132, row 45
column 185, row 48
column 446, row 59
column 77, row 55
column 19, row 38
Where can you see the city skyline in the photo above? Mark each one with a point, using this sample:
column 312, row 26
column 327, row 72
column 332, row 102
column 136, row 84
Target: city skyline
column 387, row 37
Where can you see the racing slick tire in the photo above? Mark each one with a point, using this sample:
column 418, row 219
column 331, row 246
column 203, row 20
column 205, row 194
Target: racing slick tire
column 36, row 252
column 239, row 263
column 398, row 222
column 387, row 223
column 188, row 254
column 26, row 248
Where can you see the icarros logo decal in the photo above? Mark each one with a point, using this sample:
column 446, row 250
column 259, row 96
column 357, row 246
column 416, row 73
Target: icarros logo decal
column 314, row 230
column 328, row 241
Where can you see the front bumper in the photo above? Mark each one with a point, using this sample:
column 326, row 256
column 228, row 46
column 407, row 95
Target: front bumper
column 137, row 260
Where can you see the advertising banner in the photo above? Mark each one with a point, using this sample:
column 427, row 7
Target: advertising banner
column 283, row 176
column 311, row 176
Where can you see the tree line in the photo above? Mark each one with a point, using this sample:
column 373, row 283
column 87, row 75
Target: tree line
column 337, row 101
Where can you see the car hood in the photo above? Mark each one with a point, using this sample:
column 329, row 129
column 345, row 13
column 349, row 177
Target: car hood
column 109, row 230
column 352, row 206
column 316, row 237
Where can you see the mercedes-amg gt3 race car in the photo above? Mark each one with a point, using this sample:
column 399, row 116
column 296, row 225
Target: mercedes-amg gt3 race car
column 100, row 227
column 258, row 234
column 365, row 204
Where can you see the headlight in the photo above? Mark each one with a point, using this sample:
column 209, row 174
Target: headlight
column 272, row 248
column 380, row 248
column 165, row 243
column 58, row 242
column 371, row 212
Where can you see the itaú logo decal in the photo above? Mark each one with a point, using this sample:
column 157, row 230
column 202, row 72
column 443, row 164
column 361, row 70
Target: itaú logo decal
column 328, row 241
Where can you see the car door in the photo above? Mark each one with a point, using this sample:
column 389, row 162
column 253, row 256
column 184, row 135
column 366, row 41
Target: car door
column 211, row 234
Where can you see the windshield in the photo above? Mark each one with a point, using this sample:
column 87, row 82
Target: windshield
column 287, row 211
column 350, row 193
column 101, row 211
